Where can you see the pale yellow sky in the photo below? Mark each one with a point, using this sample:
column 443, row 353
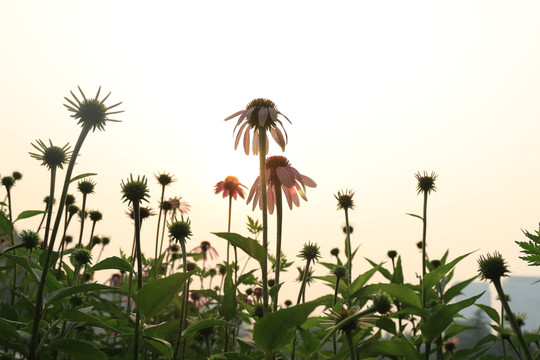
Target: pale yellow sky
column 376, row 91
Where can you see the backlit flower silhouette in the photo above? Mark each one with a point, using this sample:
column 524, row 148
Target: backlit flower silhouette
column 230, row 186
column 259, row 113
column 178, row 205
column 280, row 174
column 206, row 250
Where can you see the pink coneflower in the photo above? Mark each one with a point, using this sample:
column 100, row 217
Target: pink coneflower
column 206, row 250
column 280, row 174
column 230, row 186
column 259, row 113
column 179, row 205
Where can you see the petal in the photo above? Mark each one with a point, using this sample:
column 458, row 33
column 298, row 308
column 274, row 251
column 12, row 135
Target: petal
column 267, row 145
column 238, row 123
column 270, row 199
column 248, row 113
column 282, row 114
column 284, row 131
column 285, row 177
column 273, row 113
column 300, row 191
column 263, row 115
column 308, row 181
column 235, row 115
column 294, row 196
column 281, row 140
column 253, row 190
column 256, row 142
column 246, row 140
column 288, row 196
column 298, row 176
column 239, row 135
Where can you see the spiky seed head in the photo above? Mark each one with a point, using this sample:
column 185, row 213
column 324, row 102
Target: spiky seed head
column 492, row 267
column 73, row 209
column 310, row 252
column 68, row 239
column 339, row 271
column 144, row 212
column 392, row 254
column 86, row 186
column 8, row 182
column 17, row 175
column 81, row 256
column 344, row 198
column 426, row 182
column 135, row 190
column 212, row 272
column 222, row 269
column 166, row 205
column 350, row 324
column 191, row 266
column 382, row 303
column 351, row 229
column 180, row 230
column 334, row 252
column 309, row 277
column 50, row 155
column 105, row 241
column 46, row 201
column 96, row 240
column 91, row 113
column 70, row 200
column 288, row 303
column 30, row 239
column 164, row 178
column 257, row 104
column 258, row 311
column 249, row 291
column 95, row 215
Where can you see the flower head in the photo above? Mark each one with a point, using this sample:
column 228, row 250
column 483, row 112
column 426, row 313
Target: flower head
column 205, row 249
column 177, row 204
column 339, row 271
column 301, row 271
column 144, row 212
column 180, row 230
column 86, row 186
column 96, row 240
column 8, row 182
column 492, row 267
column 310, row 252
column 392, row 254
column 382, row 303
column 81, row 256
column 30, row 239
column 72, row 209
column 105, row 241
column 51, row 156
column 280, row 175
column 450, row 345
column 135, row 190
column 334, row 252
column 95, row 215
column 260, row 114
column 231, row 186
column 91, row 112
column 70, row 200
column 347, row 320
column 426, row 182
column 166, row 205
column 345, row 200
column 164, row 178
column 16, row 175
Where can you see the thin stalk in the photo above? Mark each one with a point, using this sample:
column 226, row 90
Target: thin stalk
column 8, row 190
column 91, row 243
column 163, row 232
column 184, row 296
column 336, row 292
column 67, row 220
column 137, row 216
column 304, row 280
column 50, row 208
column 158, row 223
column 83, row 216
column 43, row 217
column 424, row 228
column 279, row 216
column 348, row 336
column 512, row 319
column 262, row 169
column 348, row 249
column 41, row 289
column 502, row 326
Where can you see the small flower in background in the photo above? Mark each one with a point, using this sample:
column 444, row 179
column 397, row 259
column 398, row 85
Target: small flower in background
column 73, row 209
column 166, row 205
column 258, row 292
column 450, row 345
column 174, row 248
column 70, row 200
column 95, row 215
column 68, row 239
column 426, row 182
column 90, row 112
column 351, row 229
column 288, row 303
column 144, row 212
column 115, row 280
column 164, row 178
column 51, row 156
column 345, row 201
column 105, row 241
column 492, row 267
column 259, row 113
column 206, row 250
column 382, row 303
column 392, row 254
column 178, row 205
column 17, row 175
column 280, row 175
column 301, row 271
column 334, row 252
column 96, row 240
column 231, row 186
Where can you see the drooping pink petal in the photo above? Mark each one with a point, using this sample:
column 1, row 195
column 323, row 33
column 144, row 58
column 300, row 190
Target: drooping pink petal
column 248, row 114
column 239, row 135
column 300, row 191
column 280, row 140
column 308, row 181
column 237, row 124
column 279, row 112
column 273, row 113
column 298, row 176
column 225, row 193
column 253, row 189
column 287, row 196
column 266, row 153
column 256, row 141
column 246, row 140
column 294, row 196
column 270, row 199
column 219, row 187
column 284, row 131
column 263, row 115
column 234, row 115
column 284, row 176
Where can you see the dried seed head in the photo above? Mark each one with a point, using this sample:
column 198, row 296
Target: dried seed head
column 70, row 200
column 339, row 271
column 382, row 303
column 82, row 256
column 334, row 252
column 8, row 182
column 310, row 252
column 17, row 175
column 105, row 241
column 73, row 209
column 86, row 186
column 426, row 182
column 344, row 199
column 51, row 156
column 135, row 190
column 164, row 178
column 180, row 230
column 91, row 112
column 492, row 267
column 95, row 215
column 392, row 254
column 30, row 239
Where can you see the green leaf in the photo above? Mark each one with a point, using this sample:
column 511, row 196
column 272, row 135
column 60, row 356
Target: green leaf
column 249, row 246
column 400, row 292
column 23, row 261
column 456, row 290
column 204, row 324
column 275, row 330
column 310, row 343
column 416, row 216
column 228, row 309
column 65, row 292
column 156, row 295
column 436, row 275
column 82, row 176
column 409, row 349
column 8, row 331
column 361, row 280
column 382, row 347
column 6, row 225
column 163, row 346
column 397, row 278
column 491, row 312
column 78, row 316
column 442, row 316
column 78, row 349
column 112, row 263
column 28, row 213
column 455, row 329
column 382, row 270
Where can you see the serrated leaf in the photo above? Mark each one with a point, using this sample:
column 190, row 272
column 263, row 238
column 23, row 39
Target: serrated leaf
column 28, row 214
column 249, row 246
column 82, row 176
column 112, row 263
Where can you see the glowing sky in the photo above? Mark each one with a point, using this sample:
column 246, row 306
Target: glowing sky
column 376, row 91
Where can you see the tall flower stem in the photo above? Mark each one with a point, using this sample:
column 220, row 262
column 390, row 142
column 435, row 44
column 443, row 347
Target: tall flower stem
column 67, row 220
column 8, row 190
column 279, row 216
column 158, row 223
column 348, row 336
column 424, row 229
column 50, row 207
column 83, row 216
column 512, row 319
column 184, row 303
column 304, row 281
column 137, row 217
column 163, row 231
column 348, row 248
column 34, row 341
column 262, row 168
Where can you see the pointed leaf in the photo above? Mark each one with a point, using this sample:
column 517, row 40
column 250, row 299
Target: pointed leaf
column 416, row 216
column 400, row 292
column 78, row 349
column 456, row 290
column 78, row 316
column 28, row 213
column 112, row 263
column 361, row 280
column 228, row 310
column 249, row 246
column 82, row 176
column 82, row 288
column 436, row 275
column 204, row 324
column 6, row 226
column 491, row 312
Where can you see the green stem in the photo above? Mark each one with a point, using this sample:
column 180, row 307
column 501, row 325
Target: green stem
column 279, row 216
column 424, row 228
column 83, row 217
column 512, row 319
column 349, row 249
column 50, row 208
column 184, row 304
column 158, row 223
column 304, row 280
column 502, row 326
column 34, row 341
column 137, row 216
column 262, row 169
column 348, row 336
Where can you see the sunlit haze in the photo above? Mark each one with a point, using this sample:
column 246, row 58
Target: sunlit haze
column 376, row 91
